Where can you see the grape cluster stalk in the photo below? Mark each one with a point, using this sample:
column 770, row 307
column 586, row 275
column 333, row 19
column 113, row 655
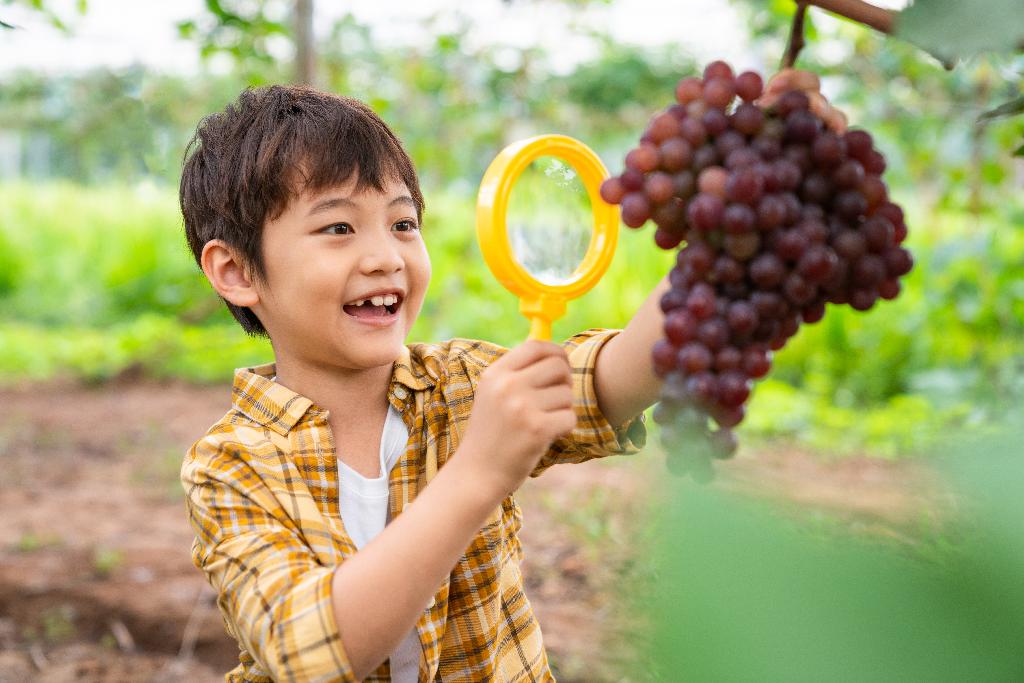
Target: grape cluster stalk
column 778, row 217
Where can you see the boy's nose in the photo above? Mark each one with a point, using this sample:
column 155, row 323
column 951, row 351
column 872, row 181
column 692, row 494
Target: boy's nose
column 382, row 258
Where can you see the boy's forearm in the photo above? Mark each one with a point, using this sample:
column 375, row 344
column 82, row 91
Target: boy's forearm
column 624, row 378
column 407, row 563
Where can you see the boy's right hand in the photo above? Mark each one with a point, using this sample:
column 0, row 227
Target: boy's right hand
column 523, row 403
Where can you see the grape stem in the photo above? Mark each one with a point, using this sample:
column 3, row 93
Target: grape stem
column 796, row 36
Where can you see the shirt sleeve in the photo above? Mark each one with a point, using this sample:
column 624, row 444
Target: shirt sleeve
column 593, row 437
column 275, row 597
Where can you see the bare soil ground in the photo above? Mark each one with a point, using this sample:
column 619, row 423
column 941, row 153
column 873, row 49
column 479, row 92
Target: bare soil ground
column 96, row 583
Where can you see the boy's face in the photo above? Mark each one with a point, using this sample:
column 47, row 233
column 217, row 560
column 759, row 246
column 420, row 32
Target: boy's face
column 326, row 252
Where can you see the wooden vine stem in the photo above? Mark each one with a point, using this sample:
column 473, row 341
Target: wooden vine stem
column 855, row 10
column 859, row 11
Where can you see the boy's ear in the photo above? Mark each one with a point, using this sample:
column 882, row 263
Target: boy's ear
column 227, row 274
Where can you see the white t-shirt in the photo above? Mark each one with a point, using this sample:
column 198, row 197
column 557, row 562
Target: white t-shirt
column 364, row 511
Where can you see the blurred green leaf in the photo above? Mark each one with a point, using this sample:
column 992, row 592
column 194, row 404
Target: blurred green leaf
column 955, row 27
column 1011, row 108
column 745, row 594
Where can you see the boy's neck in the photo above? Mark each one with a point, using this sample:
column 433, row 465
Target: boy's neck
column 342, row 392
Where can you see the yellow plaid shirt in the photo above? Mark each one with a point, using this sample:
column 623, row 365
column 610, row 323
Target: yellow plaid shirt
column 262, row 496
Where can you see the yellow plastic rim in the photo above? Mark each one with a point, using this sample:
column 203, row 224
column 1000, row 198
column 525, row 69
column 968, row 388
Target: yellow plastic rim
column 540, row 302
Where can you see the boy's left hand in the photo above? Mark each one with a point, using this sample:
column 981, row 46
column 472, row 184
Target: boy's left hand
column 795, row 79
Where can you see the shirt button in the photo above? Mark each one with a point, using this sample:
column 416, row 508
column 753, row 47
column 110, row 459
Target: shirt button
column 433, row 601
column 401, row 393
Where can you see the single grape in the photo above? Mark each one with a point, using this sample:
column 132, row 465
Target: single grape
column 745, row 185
column 672, row 299
column 664, row 356
column 702, row 388
column 701, row 301
column 693, row 358
column 798, row 289
column 749, row 86
column 667, row 239
column 704, row 212
column 632, row 180
column 858, row 144
column 738, row 218
column 712, row 180
column 791, row 244
column 728, row 142
column 863, row 299
column 715, row 121
column 850, row 244
column 878, row 233
column 693, row 131
column 723, row 444
column 850, row 204
column 767, row 271
column 688, row 90
column 670, row 215
column 827, row 150
column 868, row 271
column 612, row 190
column 889, row 289
column 659, row 187
column 718, row 69
column 680, row 326
column 742, row 247
column 739, row 158
column 898, row 262
column 675, row 154
column 719, row 92
column 756, row 362
column 792, row 101
column 705, row 156
column 636, row 209
column 713, row 333
column 802, row 126
column 727, row 270
column 771, row 212
column 728, row 358
column 748, row 119
column 813, row 312
column 643, row 158
column 685, row 184
column 817, row 263
column 848, row 175
column 733, row 388
column 742, row 317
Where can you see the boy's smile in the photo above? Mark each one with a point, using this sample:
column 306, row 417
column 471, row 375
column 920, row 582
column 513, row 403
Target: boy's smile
column 346, row 272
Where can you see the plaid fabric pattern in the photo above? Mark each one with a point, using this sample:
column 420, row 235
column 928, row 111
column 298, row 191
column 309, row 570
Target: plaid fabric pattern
column 262, row 496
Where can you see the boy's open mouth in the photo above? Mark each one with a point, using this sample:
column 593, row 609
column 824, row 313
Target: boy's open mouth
column 378, row 306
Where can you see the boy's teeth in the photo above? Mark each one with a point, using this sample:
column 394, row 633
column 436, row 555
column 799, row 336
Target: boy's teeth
column 377, row 300
column 390, row 299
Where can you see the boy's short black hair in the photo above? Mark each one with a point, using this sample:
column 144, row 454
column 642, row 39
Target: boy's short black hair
column 244, row 165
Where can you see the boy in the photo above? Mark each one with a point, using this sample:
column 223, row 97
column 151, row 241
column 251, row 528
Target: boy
column 303, row 211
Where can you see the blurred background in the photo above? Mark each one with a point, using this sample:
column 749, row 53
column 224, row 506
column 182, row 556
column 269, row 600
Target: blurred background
column 115, row 354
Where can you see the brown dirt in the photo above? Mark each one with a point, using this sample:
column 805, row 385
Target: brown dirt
column 96, row 583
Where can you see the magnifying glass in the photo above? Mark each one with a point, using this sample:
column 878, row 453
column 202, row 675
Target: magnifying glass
column 543, row 295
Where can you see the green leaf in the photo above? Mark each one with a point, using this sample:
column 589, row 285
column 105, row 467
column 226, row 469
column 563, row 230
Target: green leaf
column 955, row 27
column 1019, row 152
column 5, row 24
column 1011, row 108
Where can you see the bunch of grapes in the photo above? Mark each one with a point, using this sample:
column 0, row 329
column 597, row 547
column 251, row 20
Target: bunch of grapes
column 779, row 215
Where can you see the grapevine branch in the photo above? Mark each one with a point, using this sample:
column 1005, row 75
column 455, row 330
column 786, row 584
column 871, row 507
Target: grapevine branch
column 856, row 10
column 859, row 11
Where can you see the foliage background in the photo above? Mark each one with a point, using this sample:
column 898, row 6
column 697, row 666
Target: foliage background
column 95, row 279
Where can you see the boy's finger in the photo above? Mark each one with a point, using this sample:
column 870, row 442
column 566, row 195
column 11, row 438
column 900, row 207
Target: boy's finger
column 549, row 372
column 792, row 79
column 531, row 351
column 553, row 398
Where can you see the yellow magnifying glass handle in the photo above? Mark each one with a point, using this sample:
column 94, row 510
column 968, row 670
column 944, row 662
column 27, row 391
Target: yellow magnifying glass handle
column 540, row 302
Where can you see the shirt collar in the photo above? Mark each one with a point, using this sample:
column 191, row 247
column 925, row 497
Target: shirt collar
column 277, row 407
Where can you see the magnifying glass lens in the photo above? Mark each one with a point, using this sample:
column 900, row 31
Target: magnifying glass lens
column 550, row 220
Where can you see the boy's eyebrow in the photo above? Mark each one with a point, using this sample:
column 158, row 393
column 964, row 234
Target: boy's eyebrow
column 335, row 202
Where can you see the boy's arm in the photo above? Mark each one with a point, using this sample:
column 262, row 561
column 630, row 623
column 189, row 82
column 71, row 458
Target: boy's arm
column 624, row 378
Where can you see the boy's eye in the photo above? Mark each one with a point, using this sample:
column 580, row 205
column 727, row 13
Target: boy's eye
column 406, row 226
column 338, row 229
